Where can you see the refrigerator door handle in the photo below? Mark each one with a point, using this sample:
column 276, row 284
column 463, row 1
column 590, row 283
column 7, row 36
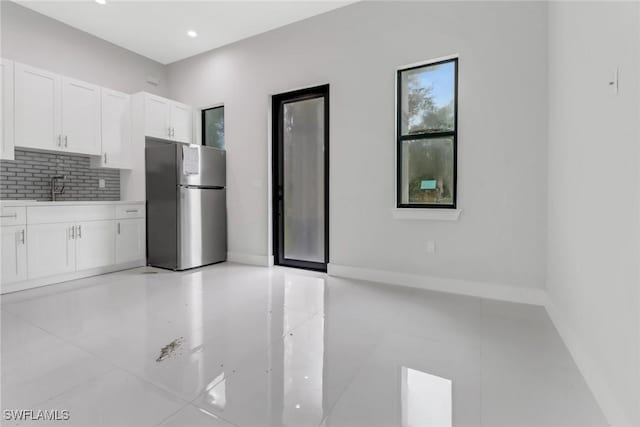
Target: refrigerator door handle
column 201, row 187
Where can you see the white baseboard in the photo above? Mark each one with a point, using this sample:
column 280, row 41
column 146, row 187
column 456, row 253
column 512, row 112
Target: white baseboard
column 52, row 280
column 594, row 377
column 251, row 259
column 455, row 286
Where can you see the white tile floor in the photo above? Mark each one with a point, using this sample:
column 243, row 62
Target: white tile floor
column 263, row 347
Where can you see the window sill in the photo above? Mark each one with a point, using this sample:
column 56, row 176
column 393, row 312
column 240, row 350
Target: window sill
column 426, row 214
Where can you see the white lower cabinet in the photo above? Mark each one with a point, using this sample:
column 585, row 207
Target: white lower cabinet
column 95, row 244
column 14, row 253
column 51, row 249
column 43, row 243
column 130, row 240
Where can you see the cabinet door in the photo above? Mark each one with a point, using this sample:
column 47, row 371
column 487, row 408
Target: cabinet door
column 80, row 116
column 156, row 116
column 14, row 254
column 131, row 242
column 95, row 244
column 50, row 249
column 116, row 129
column 37, row 108
column 6, row 116
column 181, row 122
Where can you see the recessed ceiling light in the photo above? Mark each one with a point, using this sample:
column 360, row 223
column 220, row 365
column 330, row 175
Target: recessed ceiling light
column 101, row 1
column 190, row 33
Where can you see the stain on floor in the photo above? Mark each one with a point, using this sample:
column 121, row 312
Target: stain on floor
column 170, row 349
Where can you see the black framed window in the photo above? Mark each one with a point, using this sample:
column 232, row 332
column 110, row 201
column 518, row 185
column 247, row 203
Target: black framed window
column 213, row 127
column 427, row 134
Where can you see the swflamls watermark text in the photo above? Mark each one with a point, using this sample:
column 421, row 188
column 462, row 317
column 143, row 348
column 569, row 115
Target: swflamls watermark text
column 36, row 415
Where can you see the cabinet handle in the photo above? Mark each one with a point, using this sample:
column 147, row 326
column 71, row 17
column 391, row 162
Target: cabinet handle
column 66, row 142
column 79, row 232
column 131, row 211
column 22, row 236
column 14, row 215
column 169, row 130
column 118, row 228
column 16, row 250
column 105, row 158
column 72, row 233
column 59, row 140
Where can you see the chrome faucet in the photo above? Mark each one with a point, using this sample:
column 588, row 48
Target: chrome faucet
column 55, row 189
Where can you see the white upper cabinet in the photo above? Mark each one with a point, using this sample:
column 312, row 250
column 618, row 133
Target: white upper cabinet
column 156, row 117
column 116, row 129
column 56, row 113
column 45, row 111
column 181, row 122
column 167, row 119
column 80, row 117
column 6, row 112
column 37, row 108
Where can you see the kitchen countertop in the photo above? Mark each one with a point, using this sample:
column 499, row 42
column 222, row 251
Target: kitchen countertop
column 4, row 203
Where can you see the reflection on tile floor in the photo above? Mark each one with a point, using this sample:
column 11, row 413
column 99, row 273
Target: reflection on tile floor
column 282, row 347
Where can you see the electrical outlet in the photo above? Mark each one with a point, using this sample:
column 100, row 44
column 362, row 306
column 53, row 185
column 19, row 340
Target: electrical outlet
column 614, row 84
column 431, row 247
column 101, row 183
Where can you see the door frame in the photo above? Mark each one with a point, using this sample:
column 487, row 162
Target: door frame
column 277, row 172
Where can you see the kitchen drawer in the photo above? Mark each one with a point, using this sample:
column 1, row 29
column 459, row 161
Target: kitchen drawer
column 130, row 211
column 13, row 215
column 95, row 212
column 69, row 213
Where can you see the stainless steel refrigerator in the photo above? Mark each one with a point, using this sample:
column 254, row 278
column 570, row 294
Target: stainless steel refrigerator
column 186, row 205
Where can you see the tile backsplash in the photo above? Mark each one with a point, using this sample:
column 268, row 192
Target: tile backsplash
column 29, row 177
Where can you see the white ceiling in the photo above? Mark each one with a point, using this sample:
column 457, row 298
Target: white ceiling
column 158, row 29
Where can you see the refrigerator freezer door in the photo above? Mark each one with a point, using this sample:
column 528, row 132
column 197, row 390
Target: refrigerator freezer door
column 162, row 205
column 201, row 166
column 203, row 227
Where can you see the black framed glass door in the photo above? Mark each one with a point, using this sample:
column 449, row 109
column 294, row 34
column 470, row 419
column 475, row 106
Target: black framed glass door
column 301, row 178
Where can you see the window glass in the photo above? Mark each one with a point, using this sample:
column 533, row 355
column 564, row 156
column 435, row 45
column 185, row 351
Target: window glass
column 213, row 127
column 429, row 171
column 427, row 135
column 428, row 99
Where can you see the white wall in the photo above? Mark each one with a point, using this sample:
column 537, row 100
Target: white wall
column 594, row 196
column 35, row 39
column 501, row 234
